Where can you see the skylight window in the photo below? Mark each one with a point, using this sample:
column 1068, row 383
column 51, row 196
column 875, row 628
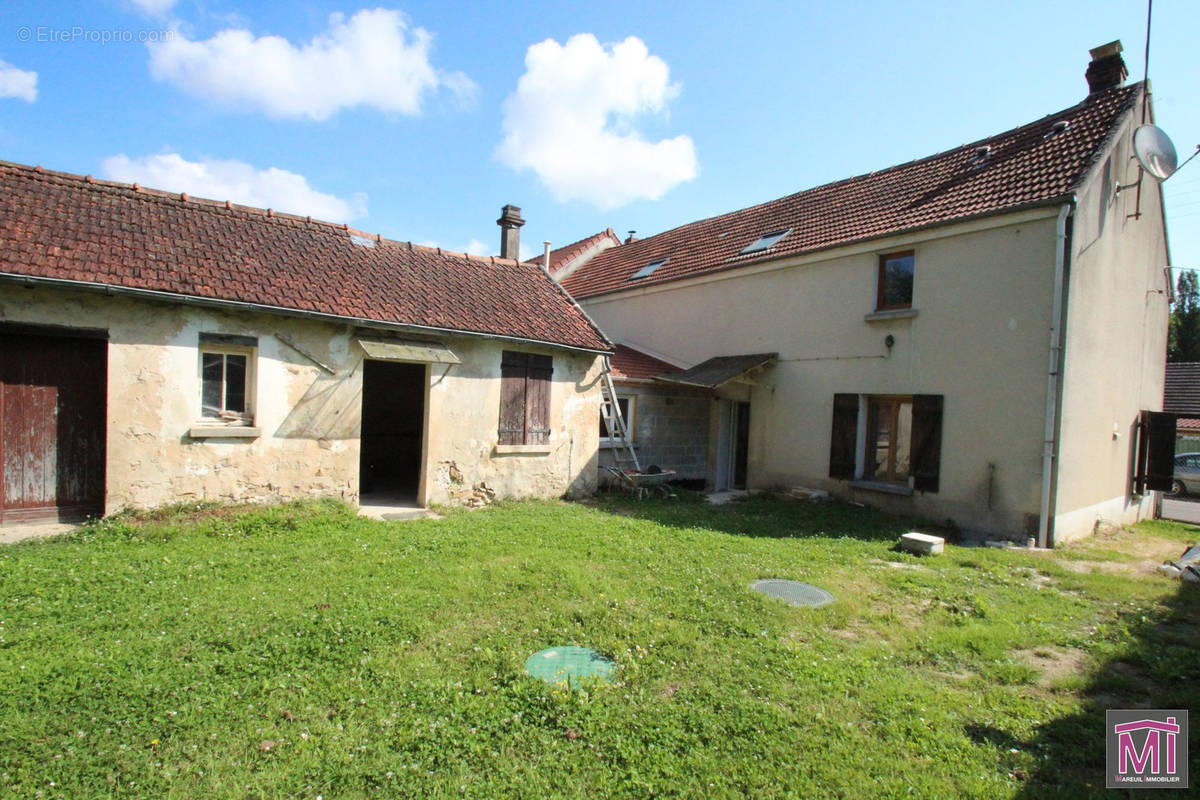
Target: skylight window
column 362, row 241
column 648, row 270
column 1057, row 128
column 765, row 242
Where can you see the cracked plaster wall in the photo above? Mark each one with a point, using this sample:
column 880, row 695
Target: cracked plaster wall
column 309, row 419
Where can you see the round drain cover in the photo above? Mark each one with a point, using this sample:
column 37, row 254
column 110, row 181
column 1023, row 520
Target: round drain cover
column 794, row 592
column 568, row 664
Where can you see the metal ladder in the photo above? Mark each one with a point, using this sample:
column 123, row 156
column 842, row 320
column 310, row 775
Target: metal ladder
column 614, row 422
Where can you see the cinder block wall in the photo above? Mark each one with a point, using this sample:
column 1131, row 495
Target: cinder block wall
column 669, row 430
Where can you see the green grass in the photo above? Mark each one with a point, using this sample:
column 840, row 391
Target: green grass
column 299, row 651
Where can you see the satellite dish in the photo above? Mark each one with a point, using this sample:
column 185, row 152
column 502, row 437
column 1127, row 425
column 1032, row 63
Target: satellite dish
column 1155, row 152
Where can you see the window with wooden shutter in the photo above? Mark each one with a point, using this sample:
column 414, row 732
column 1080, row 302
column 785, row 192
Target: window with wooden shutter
column 525, row 381
column 903, row 440
column 845, row 435
column 926, row 441
column 1156, row 452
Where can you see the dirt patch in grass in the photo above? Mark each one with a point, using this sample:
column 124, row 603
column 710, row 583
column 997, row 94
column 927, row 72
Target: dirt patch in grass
column 1053, row 664
column 1142, row 554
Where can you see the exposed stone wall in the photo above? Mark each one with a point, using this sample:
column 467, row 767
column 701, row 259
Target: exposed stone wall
column 463, row 460
column 670, row 430
column 308, row 414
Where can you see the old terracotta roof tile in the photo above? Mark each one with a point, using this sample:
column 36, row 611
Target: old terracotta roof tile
column 57, row 225
column 1028, row 165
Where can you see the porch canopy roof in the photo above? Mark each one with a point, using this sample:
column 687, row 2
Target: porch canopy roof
column 716, row 372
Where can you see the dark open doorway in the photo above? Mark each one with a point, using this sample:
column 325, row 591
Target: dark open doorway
column 393, row 423
column 741, row 444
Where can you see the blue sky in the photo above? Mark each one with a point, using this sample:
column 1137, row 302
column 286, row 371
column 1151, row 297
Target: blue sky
column 419, row 120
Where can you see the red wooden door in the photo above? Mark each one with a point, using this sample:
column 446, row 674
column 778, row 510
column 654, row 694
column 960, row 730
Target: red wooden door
column 52, row 411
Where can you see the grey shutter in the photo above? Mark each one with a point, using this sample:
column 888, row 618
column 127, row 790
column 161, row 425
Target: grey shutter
column 844, row 437
column 926, row 441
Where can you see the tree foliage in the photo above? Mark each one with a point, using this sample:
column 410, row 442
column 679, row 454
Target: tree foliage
column 1183, row 343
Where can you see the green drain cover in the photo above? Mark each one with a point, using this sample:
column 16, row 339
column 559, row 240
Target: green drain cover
column 794, row 592
column 568, row 664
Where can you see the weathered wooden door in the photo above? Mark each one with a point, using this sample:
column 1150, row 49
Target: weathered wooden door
column 52, row 412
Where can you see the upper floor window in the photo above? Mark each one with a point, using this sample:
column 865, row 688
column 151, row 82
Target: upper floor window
column 895, row 282
column 226, row 377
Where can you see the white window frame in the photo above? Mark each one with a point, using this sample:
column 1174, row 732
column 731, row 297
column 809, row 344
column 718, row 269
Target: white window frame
column 245, row 418
column 608, row 441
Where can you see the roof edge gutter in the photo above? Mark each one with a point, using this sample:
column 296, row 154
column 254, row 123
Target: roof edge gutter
column 241, row 305
column 1047, row 202
column 1054, row 373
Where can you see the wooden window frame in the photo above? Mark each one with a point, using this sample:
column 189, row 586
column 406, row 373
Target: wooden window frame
column 896, row 401
column 851, row 438
column 244, row 417
column 526, row 386
column 881, row 281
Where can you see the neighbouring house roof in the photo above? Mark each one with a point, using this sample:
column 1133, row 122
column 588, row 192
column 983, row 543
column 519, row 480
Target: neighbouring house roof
column 564, row 260
column 1038, row 163
column 88, row 233
column 1181, row 393
column 1187, row 424
column 629, row 364
column 720, row 370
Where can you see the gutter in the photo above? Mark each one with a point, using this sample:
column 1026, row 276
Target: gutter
column 240, row 305
column 1053, row 375
column 768, row 257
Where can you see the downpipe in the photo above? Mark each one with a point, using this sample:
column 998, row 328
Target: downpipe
column 1052, row 375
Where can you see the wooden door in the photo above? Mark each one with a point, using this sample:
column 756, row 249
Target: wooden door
column 52, row 414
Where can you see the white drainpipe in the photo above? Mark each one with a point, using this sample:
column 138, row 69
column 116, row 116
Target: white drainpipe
column 1056, row 315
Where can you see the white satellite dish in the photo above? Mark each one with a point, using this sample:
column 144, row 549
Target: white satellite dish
column 1155, row 152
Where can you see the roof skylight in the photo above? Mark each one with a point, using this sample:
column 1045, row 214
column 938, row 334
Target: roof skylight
column 765, row 242
column 362, row 241
column 648, row 270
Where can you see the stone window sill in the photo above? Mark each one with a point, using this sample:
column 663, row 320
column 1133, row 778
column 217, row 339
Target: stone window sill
column 522, row 450
column 224, row 432
column 884, row 487
column 891, row 315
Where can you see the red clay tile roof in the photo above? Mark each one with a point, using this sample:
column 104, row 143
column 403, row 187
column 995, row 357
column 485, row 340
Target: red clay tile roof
column 562, row 256
column 630, row 364
column 71, row 228
column 1025, row 166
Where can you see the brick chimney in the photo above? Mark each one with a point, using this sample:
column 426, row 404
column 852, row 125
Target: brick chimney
column 1107, row 69
column 510, row 223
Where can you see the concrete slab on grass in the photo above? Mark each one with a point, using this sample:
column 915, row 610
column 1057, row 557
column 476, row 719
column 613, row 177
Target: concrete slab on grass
column 922, row 543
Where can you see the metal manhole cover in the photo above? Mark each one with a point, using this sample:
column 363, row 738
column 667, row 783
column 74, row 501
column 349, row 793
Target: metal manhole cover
column 794, row 592
column 568, row 664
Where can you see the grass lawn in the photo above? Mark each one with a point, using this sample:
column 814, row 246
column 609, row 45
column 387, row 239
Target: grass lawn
column 300, row 651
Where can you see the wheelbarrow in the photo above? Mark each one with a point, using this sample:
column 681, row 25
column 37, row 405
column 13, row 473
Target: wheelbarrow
column 644, row 484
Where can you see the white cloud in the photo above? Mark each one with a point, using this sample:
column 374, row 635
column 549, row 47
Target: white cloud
column 20, row 83
column 234, row 180
column 571, row 121
column 477, row 248
column 153, row 8
column 373, row 59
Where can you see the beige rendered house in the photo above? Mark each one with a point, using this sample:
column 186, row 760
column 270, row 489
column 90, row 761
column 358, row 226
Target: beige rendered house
column 969, row 337
column 158, row 348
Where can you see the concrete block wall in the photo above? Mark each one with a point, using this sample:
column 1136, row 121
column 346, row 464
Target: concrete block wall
column 669, row 430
